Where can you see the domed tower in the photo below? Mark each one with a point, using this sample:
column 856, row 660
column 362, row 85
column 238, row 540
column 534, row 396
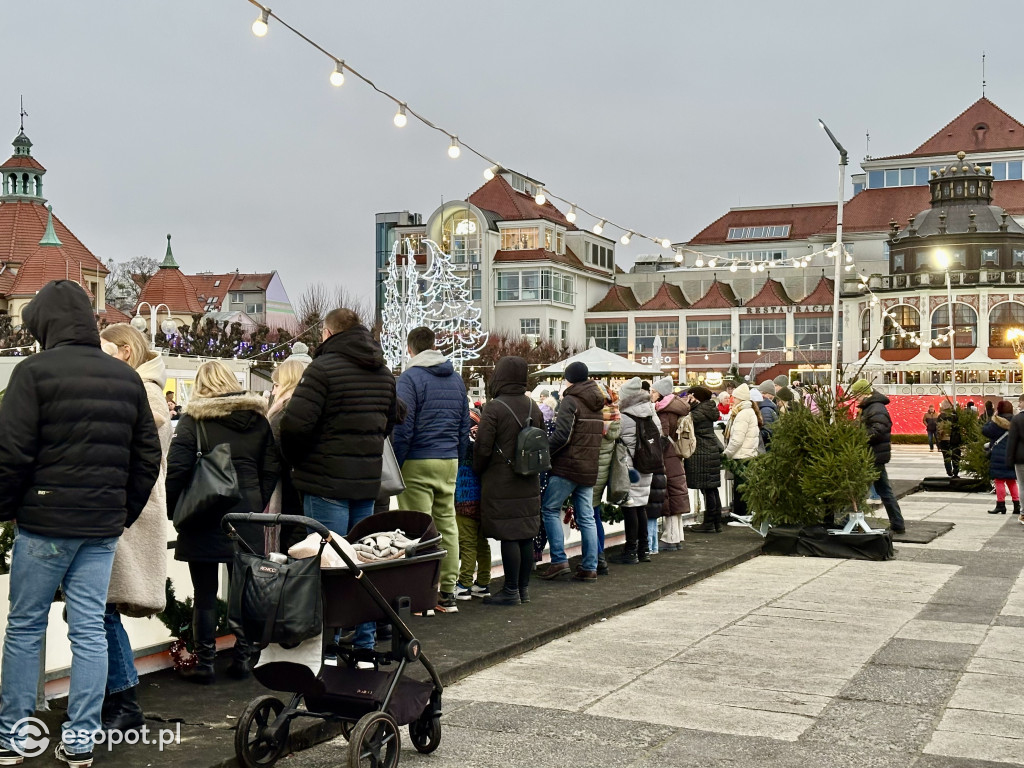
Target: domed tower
column 22, row 173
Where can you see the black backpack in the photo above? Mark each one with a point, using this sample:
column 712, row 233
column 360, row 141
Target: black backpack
column 533, row 451
column 647, row 455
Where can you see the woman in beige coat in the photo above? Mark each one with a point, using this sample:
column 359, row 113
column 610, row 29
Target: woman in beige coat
column 137, row 580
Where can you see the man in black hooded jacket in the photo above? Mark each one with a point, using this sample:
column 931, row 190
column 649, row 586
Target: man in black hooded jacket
column 79, row 455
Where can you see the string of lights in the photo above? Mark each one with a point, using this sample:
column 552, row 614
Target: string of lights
column 898, row 330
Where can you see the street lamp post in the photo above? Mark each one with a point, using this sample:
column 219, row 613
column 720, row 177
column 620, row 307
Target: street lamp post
column 167, row 326
column 838, row 256
column 942, row 258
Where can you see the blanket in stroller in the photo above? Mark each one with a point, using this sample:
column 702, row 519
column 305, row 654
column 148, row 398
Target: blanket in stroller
column 388, row 545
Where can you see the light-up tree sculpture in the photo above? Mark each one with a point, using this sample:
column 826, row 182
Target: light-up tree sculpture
column 403, row 306
column 449, row 310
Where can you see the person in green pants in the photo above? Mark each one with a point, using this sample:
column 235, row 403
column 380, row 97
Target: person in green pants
column 428, row 445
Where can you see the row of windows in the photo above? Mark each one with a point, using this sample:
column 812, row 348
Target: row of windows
column 758, row 255
column 958, row 258
column 758, row 233
column 532, row 238
column 714, row 335
column 599, row 255
column 1002, row 318
column 536, row 285
column 530, row 326
column 918, row 176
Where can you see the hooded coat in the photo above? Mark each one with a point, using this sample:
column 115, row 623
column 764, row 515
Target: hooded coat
column 333, row 428
column 997, row 431
column 875, row 417
column 578, row 431
column 236, row 419
column 635, row 402
column 509, row 503
column 437, row 426
column 612, row 431
column 137, row 579
column 743, row 432
column 670, row 410
column 769, row 411
column 704, row 468
column 79, row 452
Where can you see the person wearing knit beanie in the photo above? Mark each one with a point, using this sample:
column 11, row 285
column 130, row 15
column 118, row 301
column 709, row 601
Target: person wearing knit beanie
column 767, row 388
column 742, row 392
column 781, row 381
column 576, row 373
column 700, row 393
column 664, row 386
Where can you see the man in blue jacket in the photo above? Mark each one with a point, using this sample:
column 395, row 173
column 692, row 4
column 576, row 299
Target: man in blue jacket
column 428, row 445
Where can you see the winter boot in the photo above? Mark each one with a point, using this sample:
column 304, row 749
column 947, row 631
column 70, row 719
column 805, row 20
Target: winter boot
column 602, row 565
column 241, row 659
column 708, row 526
column 628, row 555
column 204, row 629
column 507, row 596
column 124, row 714
column 1016, row 507
column 643, row 552
column 1000, row 508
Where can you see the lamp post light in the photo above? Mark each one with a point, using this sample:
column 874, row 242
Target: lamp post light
column 1016, row 337
column 942, row 259
column 838, row 256
column 167, row 325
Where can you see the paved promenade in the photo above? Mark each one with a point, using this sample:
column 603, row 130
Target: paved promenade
column 778, row 662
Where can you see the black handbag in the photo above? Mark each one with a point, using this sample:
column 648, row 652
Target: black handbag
column 212, row 490
column 274, row 602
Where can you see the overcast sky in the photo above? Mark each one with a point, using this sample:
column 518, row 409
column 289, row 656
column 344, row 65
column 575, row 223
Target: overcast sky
column 156, row 117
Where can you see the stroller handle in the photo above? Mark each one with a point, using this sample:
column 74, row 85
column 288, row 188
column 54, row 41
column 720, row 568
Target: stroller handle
column 263, row 519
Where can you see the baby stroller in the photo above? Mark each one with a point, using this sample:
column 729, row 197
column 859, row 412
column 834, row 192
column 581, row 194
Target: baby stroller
column 369, row 704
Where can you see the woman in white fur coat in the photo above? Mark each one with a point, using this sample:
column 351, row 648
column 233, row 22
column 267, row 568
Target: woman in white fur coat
column 139, row 574
column 742, row 440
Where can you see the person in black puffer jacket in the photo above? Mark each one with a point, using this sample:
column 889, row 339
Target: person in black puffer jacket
column 704, row 467
column 238, row 419
column 875, row 417
column 79, row 455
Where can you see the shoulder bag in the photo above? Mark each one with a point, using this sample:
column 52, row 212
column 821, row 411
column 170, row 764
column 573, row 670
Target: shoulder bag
column 391, row 481
column 212, row 490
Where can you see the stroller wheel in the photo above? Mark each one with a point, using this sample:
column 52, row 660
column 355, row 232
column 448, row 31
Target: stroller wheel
column 425, row 734
column 255, row 746
column 375, row 742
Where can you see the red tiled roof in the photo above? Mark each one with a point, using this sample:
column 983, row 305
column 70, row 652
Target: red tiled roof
column 169, row 286
column 23, row 161
column 772, row 294
column 669, row 296
column 568, row 258
column 6, row 280
column 498, row 196
column 22, row 225
column 804, row 220
column 232, row 281
column 1001, row 132
column 114, row 315
column 618, row 299
column 48, row 263
column 822, row 294
column 719, row 296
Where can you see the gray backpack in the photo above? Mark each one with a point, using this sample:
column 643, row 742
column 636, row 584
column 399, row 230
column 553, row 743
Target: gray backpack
column 533, row 451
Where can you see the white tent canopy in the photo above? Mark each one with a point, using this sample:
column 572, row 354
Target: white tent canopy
column 601, row 363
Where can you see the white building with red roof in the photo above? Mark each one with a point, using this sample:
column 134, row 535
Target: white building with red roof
column 35, row 245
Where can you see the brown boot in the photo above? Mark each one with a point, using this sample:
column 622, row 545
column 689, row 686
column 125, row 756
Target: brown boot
column 554, row 570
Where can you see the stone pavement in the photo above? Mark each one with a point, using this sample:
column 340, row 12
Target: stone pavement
column 777, row 662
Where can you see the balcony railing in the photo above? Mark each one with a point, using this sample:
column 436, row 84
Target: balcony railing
column 958, row 277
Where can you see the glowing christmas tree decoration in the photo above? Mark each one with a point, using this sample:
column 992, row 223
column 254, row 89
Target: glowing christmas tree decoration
column 403, row 307
column 448, row 309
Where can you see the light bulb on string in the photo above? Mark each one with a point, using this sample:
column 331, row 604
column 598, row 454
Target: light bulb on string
column 679, row 257
column 732, row 267
column 491, row 172
column 599, row 227
column 849, row 259
column 626, row 238
column 540, row 198
column 571, row 215
column 260, row 26
column 338, row 75
column 848, row 267
column 400, row 118
column 699, row 262
column 753, row 269
column 711, row 263
column 454, row 150
column 666, row 243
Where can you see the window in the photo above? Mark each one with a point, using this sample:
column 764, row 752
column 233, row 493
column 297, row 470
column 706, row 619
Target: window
column 460, row 237
column 529, row 326
column 599, row 255
column 813, row 332
column 565, row 332
column 708, row 336
column 668, row 330
column 612, row 337
column 758, row 255
column 216, row 283
column 549, row 239
column 1003, row 317
column 1018, row 257
column 762, row 333
column 876, row 179
column 966, row 323
column 858, row 187
column 907, row 177
column 865, row 330
column 758, row 233
column 892, row 177
column 237, row 298
column 552, row 329
column 958, row 257
column 898, row 262
column 559, row 241
column 476, row 292
column 989, row 256
column 921, row 176
column 909, row 319
column 537, row 285
column 522, row 239
column 254, row 309
column 1013, row 170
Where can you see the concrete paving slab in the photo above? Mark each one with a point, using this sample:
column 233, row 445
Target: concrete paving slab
column 982, row 723
column 926, row 654
column 902, row 685
column 1004, row 667
column 1009, row 621
column 872, row 727
column 1003, row 643
column 999, row 749
column 944, row 631
column 941, row 761
column 973, row 590
column 959, row 614
column 989, row 693
column 792, row 678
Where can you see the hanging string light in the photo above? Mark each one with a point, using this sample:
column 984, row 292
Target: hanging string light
column 626, row 237
column 260, row 26
column 571, row 215
column 539, row 198
column 338, row 75
column 454, row 150
column 400, row 119
column 599, row 227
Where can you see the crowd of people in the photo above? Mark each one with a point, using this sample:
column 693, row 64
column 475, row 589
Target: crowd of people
column 91, row 473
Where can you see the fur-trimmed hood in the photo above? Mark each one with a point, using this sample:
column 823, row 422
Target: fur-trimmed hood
column 207, row 408
column 1001, row 421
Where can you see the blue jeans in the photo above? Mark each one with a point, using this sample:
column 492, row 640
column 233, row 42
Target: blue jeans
column 121, row 674
column 559, row 489
column 339, row 515
column 39, row 565
column 892, row 507
column 652, row 534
